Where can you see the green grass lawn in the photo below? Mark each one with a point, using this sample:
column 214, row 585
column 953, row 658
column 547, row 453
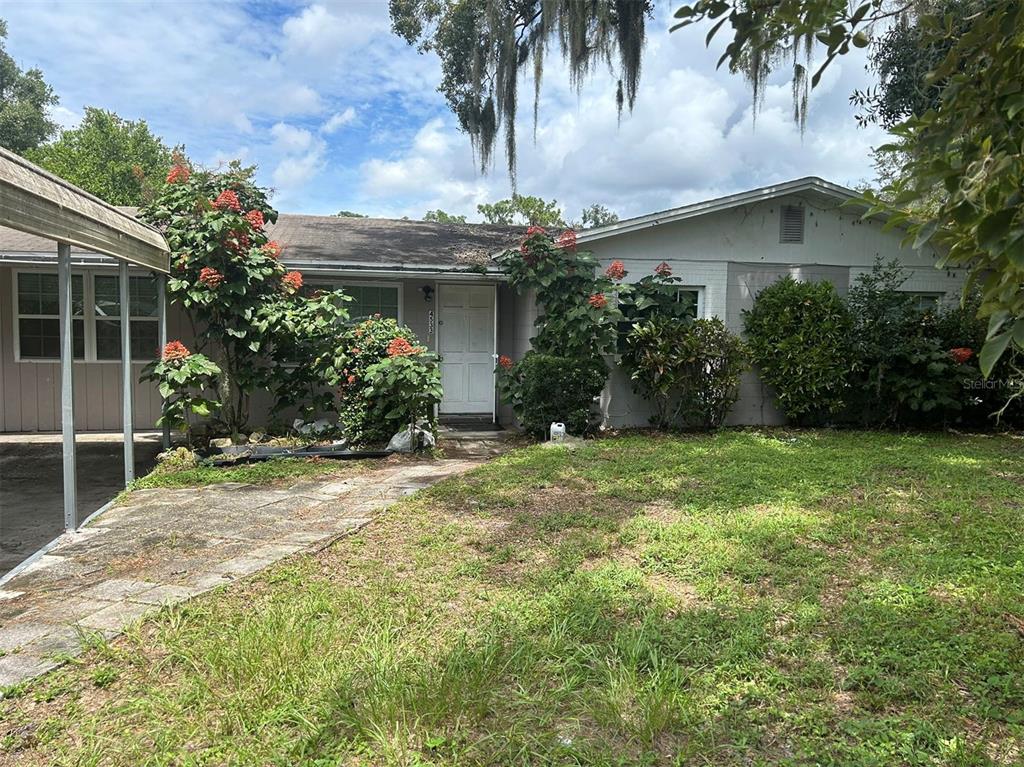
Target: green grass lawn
column 739, row 599
column 261, row 473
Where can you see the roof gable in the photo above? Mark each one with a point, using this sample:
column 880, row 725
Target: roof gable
column 809, row 185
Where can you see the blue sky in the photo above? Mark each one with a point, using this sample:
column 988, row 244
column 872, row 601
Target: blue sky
column 338, row 113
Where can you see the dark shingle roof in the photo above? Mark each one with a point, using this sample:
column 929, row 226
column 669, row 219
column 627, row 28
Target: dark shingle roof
column 364, row 242
column 388, row 242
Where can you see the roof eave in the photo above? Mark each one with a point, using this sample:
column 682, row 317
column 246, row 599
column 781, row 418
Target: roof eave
column 811, row 183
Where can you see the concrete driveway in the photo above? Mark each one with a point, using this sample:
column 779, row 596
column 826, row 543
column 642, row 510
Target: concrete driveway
column 31, row 485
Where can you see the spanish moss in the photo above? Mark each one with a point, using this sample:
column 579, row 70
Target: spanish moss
column 485, row 46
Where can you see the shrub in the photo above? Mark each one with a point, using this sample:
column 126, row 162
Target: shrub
column 713, row 359
column 902, row 369
column 798, row 335
column 689, row 370
column 182, row 379
column 545, row 388
column 387, row 381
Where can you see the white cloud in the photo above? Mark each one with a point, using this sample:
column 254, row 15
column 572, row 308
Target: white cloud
column 301, row 159
column 64, row 117
column 323, row 34
column 690, row 136
column 292, row 173
column 338, row 120
column 278, row 89
column 288, row 138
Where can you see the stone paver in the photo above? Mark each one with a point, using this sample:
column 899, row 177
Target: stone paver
column 165, row 546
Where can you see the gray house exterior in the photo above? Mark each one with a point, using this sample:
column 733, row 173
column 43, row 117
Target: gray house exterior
column 442, row 281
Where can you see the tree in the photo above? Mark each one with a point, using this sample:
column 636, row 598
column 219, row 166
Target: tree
column 349, row 214
column 25, row 99
column 522, row 210
column 597, row 215
column 902, row 57
column 970, row 143
column 484, row 46
column 443, row 218
column 118, row 160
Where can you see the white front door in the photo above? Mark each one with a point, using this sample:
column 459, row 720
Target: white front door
column 465, row 337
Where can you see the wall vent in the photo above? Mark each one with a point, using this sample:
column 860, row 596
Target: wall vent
column 791, row 224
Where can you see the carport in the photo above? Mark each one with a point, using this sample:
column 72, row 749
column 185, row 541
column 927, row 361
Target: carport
column 35, row 201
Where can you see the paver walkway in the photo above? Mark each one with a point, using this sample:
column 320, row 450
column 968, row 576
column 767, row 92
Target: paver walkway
column 164, row 546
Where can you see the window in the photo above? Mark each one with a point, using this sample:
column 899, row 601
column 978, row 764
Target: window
column 142, row 311
column 694, row 297
column 38, row 307
column 367, row 299
column 96, row 308
column 791, row 224
column 926, row 302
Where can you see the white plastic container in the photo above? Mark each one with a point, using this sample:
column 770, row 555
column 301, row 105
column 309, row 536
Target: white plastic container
column 557, row 431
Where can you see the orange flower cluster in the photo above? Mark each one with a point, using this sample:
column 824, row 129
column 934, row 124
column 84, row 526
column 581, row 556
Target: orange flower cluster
column 598, row 301
column 663, row 270
column 505, row 361
column 616, row 270
column 175, row 350
column 400, row 347
column 273, row 249
column 567, row 240
column 228, row 200
column 534, row 230
column 961, row 354
column 255, row 219
column 292, row 280
column 210, row 277
column 179, row 173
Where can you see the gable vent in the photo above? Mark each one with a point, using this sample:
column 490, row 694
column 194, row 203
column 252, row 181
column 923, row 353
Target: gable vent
column 791, row 224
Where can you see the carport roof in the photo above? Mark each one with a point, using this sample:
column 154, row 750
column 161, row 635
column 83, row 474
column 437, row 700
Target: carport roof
column 36, row 204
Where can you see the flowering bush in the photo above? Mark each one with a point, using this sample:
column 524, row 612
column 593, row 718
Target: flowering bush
column 182, row 378
column 223, row 275
column 576, row 317
column 385, row 381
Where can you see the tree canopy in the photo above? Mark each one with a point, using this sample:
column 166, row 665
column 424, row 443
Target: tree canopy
column 118, row 160
column 522, row 210
column 443, row 218
column 486, row 45
column 597, row 215
column 349, row 214
column 25, row 100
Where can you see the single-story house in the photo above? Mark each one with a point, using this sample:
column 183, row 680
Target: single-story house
column 441, row 281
